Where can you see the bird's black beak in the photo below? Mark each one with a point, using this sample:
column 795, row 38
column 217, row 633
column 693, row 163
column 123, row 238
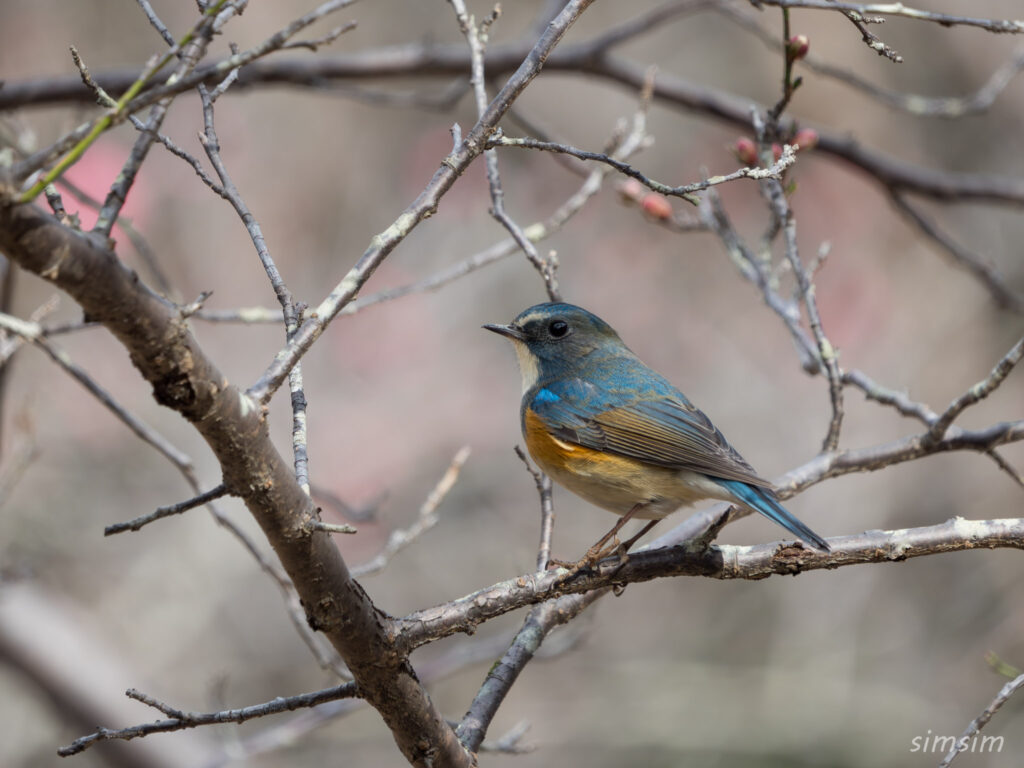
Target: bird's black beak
column 506, row 330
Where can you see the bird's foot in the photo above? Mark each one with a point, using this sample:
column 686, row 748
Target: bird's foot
column 592, row 557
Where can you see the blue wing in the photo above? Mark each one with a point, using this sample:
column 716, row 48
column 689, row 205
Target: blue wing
column 644, row 417
column 655, row 424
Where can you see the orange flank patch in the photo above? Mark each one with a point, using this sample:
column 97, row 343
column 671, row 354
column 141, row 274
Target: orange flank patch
column 552, row 454
column 608, row 480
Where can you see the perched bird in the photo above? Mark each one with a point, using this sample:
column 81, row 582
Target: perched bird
column 610, row 429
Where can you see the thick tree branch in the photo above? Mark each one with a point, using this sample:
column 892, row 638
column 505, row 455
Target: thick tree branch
column 183, row 378
column 719, row 562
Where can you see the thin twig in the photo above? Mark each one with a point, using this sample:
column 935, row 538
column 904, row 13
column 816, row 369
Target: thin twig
column 424, row 205
column 685, row 191
column 327, row 657
column 951, row 107
column 476, row 37
column 871, row 40
column 978, row 392
column 172, row 509
column 188, row 57
column 180, row 720
column 154, row 20
column 508, row 743
column 987, row 274
column 789, row 84
column 899, row 9
column 74, row 144
column 714, row 216
column 315, row 44
column 527, row 641
column 826, row 352
column 538, row 231
column 291, row 311
column 425, row 520
column 899, row 400
column 981, row 720
column 547, row 510
column 33, row 332
column 826, row 466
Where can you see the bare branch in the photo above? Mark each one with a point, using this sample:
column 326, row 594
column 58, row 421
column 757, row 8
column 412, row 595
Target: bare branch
column 538, row 624
column 547, row 510
column 33, row 332
column 715, row 218
column 180, row 720
column 719, row 562
column 509, row 743
column 74, row 145
column 154, row 20
column 872, row 40
column 982, row 720
column 425, row 520
column 898, row 9
column 978, row 392
column 328, row 659
column 685, row 191
column 591, row 57
column 185, row 379
column 476, row 37
column 537, row 232
column 913, row 103
column 827, row 355
column 290, row 310
column 825, row 466
column 173, row 509
column 188, row 58
column 899, row 400
column 424, row 205
column 133, row 99
column 987, row 274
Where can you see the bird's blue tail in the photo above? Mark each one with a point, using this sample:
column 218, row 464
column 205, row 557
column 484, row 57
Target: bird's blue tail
column 763, row 501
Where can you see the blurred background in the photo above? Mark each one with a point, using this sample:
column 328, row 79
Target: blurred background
column 841, row 668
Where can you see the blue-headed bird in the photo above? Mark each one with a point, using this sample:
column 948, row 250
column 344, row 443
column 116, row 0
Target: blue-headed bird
column 618, row 434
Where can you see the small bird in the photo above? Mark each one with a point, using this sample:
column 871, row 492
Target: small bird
column 615, row 432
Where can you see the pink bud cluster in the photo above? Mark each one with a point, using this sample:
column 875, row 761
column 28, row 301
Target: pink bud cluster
column 653, row 205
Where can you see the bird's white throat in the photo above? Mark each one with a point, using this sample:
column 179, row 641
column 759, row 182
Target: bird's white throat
column 529, row 366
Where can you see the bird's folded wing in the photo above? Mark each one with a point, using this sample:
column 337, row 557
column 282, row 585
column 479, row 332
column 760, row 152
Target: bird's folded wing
column 669, row 432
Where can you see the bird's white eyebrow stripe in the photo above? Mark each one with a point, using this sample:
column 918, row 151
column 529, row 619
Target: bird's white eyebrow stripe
column 530, row 317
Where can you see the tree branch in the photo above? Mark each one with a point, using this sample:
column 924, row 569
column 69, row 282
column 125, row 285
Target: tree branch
column 181, row 720
column 185, row 379
column 981, row 720
column 590, row 57
column 719, row 562
column 425, row 205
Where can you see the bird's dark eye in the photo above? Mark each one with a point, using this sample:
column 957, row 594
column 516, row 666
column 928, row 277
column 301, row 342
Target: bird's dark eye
column 558, row 328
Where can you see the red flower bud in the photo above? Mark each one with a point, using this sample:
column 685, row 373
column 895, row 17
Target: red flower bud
column 806, row 138
column 746, row 151
column 776, row 151
column 657, row 207
column 797, row 47
column 631, row 191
